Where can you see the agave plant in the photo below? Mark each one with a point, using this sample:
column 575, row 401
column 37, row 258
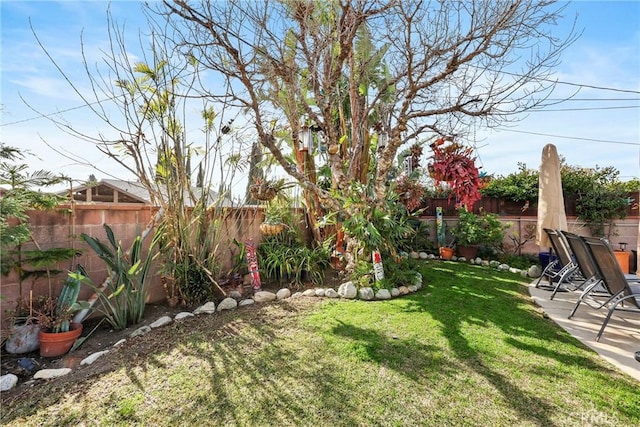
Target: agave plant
column 124, row 298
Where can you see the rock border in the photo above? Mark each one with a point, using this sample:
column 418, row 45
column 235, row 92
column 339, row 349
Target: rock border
column 347, row 290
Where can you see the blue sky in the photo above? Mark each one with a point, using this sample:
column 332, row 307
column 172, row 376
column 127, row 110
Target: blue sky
column 591, row 130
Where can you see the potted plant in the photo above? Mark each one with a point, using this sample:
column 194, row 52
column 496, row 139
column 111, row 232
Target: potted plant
column 276, row 215
column 472, row 230
column 267, row 189
column 57, row 332
column 446, row 252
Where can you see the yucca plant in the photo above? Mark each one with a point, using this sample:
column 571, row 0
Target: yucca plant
column 124, row 299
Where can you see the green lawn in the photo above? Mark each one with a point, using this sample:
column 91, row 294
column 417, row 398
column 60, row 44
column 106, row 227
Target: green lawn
column 468, row 349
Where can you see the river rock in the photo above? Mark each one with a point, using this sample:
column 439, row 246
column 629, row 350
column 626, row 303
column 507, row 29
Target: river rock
column 283, row 293
column 227, row 304
column 245, row 302
column 347, row 290
column 93, row 357
column 309, row 293
column 163, row 321
column 143, row 330
column 534, row 271
column 183, row 315
column 47, row 374
column 331, row 293
column 207, row 308
column 264, row 296
column 383, row 294
column 366, row 293
column 8, row 381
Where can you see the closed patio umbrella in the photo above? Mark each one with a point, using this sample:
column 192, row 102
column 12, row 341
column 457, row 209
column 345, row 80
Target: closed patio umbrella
column 551, row 212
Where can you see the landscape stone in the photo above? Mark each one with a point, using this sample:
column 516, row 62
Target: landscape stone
column 347, row 290
column 431, row 256
column 423, row 255
column 120, row 342
column 454, row 258
column 478, row 260
column 414, row 255
column 143, row 330
column 514, row 270
column 8, row 381
column 227, row 304
column 183, row 315
column 494, row 263
column 163, row 321
column 403, row 290
column 235, row 295
column 523, row 273
column 47, row 374
column 366, row 293
column 395, row 292
column 23, row 339
column 320, row 292
column 93, row 357
column 296, row 294
column 264, row 296
column 245, row 302
column 331, row 293
column 309, row 293
column 462, row 259
column 283, row 293
column 503, row 267
column 383, row 294
column 412, row 288
column 207, row 308
column 485, row 263
column 418, row 281
column 534, row 271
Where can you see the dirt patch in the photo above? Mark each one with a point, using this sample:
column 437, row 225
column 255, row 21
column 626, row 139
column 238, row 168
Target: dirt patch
column 103, row 337
column 100, row 336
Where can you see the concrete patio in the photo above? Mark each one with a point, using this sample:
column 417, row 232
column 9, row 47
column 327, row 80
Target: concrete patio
column 621, row 338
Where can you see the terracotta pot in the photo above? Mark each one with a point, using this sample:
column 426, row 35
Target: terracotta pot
column 469, row 252
column 57, row 344
column 446, row 253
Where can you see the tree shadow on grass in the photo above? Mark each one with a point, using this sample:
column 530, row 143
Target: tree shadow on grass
column 456, row 302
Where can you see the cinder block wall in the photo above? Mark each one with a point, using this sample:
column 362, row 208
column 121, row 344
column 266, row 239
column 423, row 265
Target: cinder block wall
column 62, row 228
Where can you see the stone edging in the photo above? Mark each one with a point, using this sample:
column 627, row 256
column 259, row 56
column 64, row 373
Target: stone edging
column 346, row 290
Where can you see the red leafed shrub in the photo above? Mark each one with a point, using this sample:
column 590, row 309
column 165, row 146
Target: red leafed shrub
column 455, row 165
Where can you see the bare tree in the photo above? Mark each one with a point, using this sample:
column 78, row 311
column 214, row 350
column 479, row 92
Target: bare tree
column 356, row 70
column 148, row 105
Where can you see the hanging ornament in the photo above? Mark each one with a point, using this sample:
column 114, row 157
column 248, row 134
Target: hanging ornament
column 408, row 165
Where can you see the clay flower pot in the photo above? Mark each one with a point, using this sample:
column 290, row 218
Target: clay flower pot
column 57, row 344
column 446, row 253
column 469, row 252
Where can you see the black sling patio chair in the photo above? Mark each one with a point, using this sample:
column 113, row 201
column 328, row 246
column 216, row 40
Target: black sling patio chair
column 582, row 257
column 564, row 271
column 623, row 295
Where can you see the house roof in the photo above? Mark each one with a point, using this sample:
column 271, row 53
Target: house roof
column 121, row 191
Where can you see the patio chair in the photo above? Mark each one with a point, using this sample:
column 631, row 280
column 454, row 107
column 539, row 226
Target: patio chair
column 564, row 269
column 593, row 287
column 592, row 284
column 623, row 295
